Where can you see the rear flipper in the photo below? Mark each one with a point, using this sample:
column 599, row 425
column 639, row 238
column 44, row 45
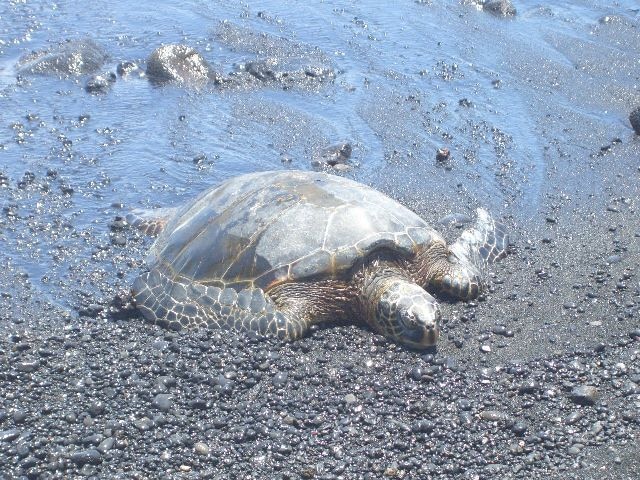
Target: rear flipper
column 482, row 244
column 150, row 222
column 189, row 305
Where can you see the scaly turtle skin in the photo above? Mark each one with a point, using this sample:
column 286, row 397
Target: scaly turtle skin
column 276, row 252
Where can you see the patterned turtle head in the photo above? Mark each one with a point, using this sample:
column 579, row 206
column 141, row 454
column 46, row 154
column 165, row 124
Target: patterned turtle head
column 407, row 314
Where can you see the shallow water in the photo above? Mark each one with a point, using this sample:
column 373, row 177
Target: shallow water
column 516, row 100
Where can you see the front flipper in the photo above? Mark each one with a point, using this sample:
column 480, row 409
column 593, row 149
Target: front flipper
column 463, row 272
column 483, row 244
column 189, row 305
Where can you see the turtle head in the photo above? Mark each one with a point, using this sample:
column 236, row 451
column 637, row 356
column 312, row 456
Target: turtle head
column 406, row 313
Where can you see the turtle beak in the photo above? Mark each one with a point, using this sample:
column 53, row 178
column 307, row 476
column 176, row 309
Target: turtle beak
column 430, row 336
column 421, row 327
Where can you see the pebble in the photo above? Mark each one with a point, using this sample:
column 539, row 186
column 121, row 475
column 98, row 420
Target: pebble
column 494, row 416
column 96, row 408
column 19, row 417
column 584, row 394
column 9, row 435
column 529, row 386
column 280, row 379
column 28, row 366
column 416, row 373
column 519, row 428
column 83, row 457
column 163, row 402
column 201, row 448
column 105, row 445
column 499, row 330
column 350, row 398
column 573, row 418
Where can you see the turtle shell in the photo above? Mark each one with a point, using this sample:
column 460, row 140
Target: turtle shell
column 266, row 228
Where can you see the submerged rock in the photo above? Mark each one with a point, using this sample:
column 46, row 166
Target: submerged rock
column 288, row 72
column 100, row 83
column 74, row 57
column 499, row 7
column 180, row 63
column 334, row 156
column 634, row 119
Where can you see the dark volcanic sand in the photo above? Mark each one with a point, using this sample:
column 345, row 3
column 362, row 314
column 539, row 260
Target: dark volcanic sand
column 540, row 378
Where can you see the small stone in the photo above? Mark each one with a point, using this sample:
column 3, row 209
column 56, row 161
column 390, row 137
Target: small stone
column 596, row 428
column 416, row 373
column 423, row 426
column 28, row 366
column 519, row 428
column 22, row 450
column 485, row 348
column 143, row 424
column 19, row 417
column 574, row 450
column 280, row 379
column 9, row 435
column 573, row 418
column 119, row 240
column 335, row 156
column 529, row 386
column 163, row 402
column 494, row 416
column 201, row 448
column 199, row 159
column 106, row 445
column 84, row 457
column 499, row 330
column 610, row 260
column 584, row 395
column 350, row 398
column 443, row 154
column 96, row 408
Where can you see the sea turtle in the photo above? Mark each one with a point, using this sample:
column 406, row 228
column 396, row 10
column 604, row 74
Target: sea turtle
column 276, row 252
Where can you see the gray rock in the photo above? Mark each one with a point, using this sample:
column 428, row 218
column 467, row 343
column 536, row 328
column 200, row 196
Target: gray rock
column 499, row 7
column 163, row 402
column 75, row 57
column 584, row 395
column 181, row 64
column 100, row 83
column 84, row 457
column 201, row 448
column 634, row 119
column 334, row 155
column 9, row 435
